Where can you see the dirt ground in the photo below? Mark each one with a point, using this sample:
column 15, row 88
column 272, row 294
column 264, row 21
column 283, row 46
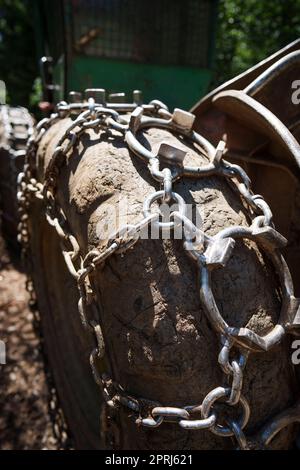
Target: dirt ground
column 24, row 420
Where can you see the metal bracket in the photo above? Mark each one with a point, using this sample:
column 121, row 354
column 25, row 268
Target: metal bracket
column 75, row 97
column 135, row 119
column 117, row 97
column 171, row 154
column 219, row 252
column 99, row 94
column 183, row 119
column 219, row 152
column 137, row 96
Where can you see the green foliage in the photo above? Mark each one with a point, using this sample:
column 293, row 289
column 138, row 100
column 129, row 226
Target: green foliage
column 17, row 52
column 37, row 93
column 249, row 31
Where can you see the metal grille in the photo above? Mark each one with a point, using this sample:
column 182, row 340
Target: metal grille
column 167, row 32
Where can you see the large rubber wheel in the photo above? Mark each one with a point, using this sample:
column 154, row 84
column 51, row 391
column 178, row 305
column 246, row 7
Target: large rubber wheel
column 158, row 341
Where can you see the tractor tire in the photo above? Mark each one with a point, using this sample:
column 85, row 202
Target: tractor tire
column 158, row 340
column 16, row 126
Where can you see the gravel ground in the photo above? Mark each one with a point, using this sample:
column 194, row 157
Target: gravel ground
column 24, row 420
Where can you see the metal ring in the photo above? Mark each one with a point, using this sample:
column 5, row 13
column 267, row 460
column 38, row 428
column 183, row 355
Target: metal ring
column 159, row 195
column 217, row 394
column 142, row 152
column 245, row 337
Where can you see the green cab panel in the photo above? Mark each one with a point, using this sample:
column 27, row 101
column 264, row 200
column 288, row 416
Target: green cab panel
column 175, row 85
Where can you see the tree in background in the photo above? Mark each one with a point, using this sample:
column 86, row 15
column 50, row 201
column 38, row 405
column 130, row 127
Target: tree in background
column 18, row 62
column 249, row 31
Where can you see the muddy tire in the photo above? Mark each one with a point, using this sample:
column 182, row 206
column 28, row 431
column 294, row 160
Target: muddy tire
column 159, row 343
column 15, row 128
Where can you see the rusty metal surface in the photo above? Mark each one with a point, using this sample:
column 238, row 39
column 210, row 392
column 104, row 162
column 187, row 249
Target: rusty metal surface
column 255, row 114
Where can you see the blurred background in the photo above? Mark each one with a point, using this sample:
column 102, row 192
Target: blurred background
column 238, row 35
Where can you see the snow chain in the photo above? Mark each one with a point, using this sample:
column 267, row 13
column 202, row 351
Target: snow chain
column 208, row 252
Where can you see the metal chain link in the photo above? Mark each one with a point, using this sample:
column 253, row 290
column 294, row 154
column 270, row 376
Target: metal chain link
column 29, row 188
column 12, row 119
column 207, row 252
